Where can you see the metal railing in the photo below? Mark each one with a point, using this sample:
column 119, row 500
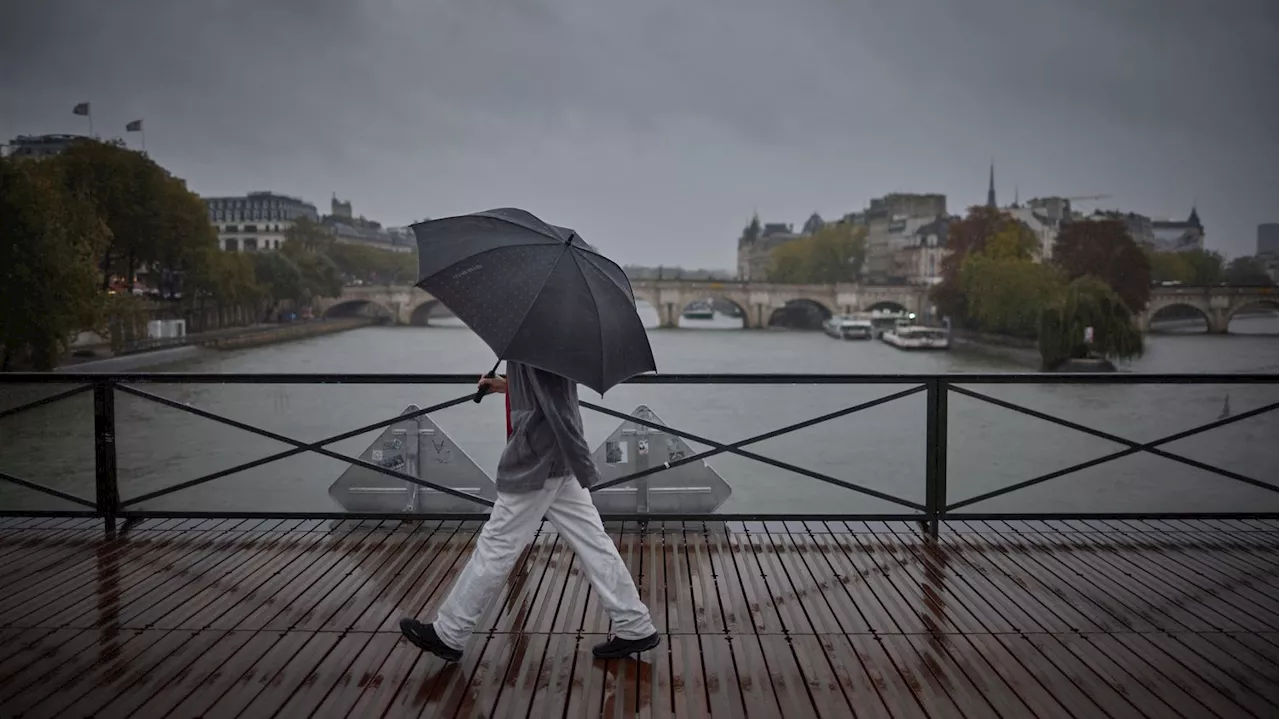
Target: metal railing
column 937, row 388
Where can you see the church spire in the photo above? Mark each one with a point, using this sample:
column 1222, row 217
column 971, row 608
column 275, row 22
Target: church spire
column 991, row 187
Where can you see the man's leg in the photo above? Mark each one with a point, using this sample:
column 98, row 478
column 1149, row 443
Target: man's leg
column 511, row 524
column 577, row 520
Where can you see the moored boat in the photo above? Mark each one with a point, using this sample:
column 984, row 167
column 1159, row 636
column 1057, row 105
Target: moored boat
column 917, row 338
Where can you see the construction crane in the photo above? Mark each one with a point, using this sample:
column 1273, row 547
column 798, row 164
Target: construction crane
column 1087, row 197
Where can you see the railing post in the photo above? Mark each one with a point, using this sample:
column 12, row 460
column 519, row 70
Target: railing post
column 935, row 453
column 107, row 494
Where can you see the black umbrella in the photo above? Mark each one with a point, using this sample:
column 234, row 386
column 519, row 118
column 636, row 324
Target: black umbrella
column 537, row 294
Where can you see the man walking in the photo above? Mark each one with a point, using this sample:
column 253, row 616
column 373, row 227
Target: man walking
column 545, row 470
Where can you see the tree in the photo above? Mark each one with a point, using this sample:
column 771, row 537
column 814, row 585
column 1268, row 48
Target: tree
column 1206, row 266
column 1104, row 249
column 1247, row 271
column 305, row 245
column 278, row 276
column 48, row 281
column 153, row 221
column 971, row 235
column 832, row 255
column 1192, row 267
column 1088, row 302
column 1006, row 295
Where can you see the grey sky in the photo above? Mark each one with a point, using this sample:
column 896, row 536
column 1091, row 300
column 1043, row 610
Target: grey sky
column 656, row 127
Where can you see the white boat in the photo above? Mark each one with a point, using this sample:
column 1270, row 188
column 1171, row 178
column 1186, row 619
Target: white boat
column 917, row 338
column 857, row 329
column 699, row 311
column 842, row 326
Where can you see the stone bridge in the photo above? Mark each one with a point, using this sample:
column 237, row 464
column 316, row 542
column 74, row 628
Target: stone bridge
column 407, row 305
column 758, row 300
column 1217, row 304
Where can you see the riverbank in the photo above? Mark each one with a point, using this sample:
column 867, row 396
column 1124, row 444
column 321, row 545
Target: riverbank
column 256, row 335
column 1015, row 349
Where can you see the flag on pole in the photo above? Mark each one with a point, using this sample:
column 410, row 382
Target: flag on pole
column 135, row 126
column 81, row 109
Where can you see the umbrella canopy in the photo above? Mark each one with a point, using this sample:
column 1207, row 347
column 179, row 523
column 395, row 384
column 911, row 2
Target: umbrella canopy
column 536, row 293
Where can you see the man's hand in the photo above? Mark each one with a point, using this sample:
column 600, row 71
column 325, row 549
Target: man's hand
column 493, row 384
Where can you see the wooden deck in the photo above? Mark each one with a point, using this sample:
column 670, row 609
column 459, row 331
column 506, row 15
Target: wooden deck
column 214, row 618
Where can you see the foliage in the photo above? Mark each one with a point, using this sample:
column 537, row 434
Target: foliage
column 1192, row 267
column 307, row 245
column 1248, row 272
column 278, row 276
column 831, row 255
column 1088, row 302
column 372, row 265
column 1006, row 294
column 227, row 278
column 48, row 284
column 982, row 225
column 153, row 221
column 1104, row 249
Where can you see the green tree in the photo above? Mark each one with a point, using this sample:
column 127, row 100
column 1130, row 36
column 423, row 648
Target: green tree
column 48, row 281
column 1104, row 249
column 1006, row 295
column 1192, row 267
column 1247, row 271
column 970, row 235
column 278, row 276
column 1206, row 266
column 832, row 255
column 307, row 245
column 1088, row 302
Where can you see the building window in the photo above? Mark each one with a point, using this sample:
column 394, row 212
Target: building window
column 250, row 244
column 232, row 228
column 250, row 228
column 232, row 244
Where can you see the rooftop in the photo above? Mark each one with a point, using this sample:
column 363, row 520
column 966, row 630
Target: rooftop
column 254, row 617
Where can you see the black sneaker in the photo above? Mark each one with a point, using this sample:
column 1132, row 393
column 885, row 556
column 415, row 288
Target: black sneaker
column 618, row 648
column 424, row 637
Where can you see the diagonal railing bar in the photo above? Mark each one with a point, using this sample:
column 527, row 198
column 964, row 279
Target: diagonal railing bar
column 757, row 457
column 299, row 444
column 47, row 400
column 1111, row 437
column 1124, row 453
column 295, row 451
column 759, row 438
column 4, row 476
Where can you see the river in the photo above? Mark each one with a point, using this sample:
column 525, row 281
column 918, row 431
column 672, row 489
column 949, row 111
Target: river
column 883, row 448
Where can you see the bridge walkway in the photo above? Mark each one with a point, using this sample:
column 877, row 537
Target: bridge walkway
column 296, row 618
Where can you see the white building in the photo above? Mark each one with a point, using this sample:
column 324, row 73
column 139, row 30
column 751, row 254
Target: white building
column 256, row 221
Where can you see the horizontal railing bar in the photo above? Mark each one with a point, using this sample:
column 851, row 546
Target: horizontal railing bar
column 1053, row 516
column 294, row 451
column 757, row 457
column 1117, row 455
column 759, row 438
column 1119, row 378
column 481, row 516
column 296, row 443
column 69, row 513
column 46, row 400
column 4, row 476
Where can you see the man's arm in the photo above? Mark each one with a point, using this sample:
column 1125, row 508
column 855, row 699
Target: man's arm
column 552, row 393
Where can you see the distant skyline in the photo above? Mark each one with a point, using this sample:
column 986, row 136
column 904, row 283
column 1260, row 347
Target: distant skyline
column 655, row 129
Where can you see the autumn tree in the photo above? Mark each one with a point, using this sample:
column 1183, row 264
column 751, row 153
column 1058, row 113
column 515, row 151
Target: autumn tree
column 970, row 235
column 48, row 280
column 832, row 255
column 1007, row 294
column 1104, row 249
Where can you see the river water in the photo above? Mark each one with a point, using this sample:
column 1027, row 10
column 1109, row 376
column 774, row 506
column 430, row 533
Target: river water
column 989, row 447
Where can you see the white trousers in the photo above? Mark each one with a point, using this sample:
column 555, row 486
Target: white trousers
column 515, row 518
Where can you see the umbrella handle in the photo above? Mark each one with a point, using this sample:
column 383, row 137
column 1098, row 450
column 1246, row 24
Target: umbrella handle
column 481, row 391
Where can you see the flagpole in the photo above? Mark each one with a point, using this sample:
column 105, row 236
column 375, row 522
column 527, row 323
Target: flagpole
column 143, row 132
column 89, row 114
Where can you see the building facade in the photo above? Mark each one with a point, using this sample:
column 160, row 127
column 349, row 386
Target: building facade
column 755, row 255
column 1267, row 251
column 256, row 221
column 352, row 230
column 38, row 146
column 892, row 222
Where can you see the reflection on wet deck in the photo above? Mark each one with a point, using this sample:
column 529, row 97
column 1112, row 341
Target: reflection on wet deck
column 291, row 618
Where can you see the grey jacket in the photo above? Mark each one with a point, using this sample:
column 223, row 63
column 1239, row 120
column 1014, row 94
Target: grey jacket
column 546, row 432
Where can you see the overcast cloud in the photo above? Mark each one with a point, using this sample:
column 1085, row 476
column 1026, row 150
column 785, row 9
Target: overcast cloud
column 656, row 127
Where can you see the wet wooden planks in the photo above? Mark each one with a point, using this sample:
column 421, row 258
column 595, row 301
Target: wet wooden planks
column 227, row 617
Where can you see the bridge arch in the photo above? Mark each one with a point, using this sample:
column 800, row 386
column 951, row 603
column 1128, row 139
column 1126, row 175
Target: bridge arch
column 1250, row 304
column 1179, row 315
column 800, row 313
column 359, row 308
column 887, row 306
column 421, row 314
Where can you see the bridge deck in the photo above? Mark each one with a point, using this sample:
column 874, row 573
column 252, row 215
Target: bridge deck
column 295, row 618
